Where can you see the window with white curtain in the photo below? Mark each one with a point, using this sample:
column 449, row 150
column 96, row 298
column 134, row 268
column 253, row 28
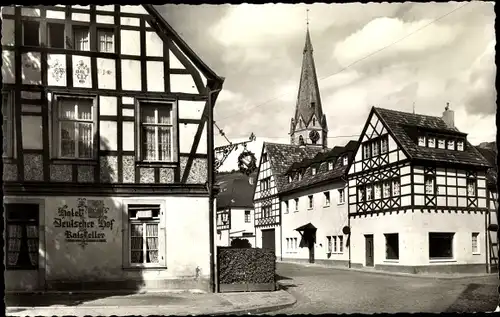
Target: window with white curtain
column 82, row 38
column 156, row 132
column 471, row 187
column 460, row 145
column 377, row 191
column 386, row 189
column 431, row 142
column 396, row 187
column 74, row 128
column 144, row 234
column 384, row 144
column 22, row 245
column 429, row 185
column 106, row 41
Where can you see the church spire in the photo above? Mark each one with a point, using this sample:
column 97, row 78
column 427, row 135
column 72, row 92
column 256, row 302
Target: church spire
column 309, row 120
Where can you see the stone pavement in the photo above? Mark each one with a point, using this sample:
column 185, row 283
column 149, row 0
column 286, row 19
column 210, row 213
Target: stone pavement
column 146, row 303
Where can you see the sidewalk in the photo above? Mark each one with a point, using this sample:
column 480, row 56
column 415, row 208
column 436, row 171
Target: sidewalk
column 149, row 303
column 419, row 275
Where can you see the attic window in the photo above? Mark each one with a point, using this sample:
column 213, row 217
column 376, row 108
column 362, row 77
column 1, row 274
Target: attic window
column 344, row 160
column 441, row 144
column 421, row 141
column 300, row 176
column 330, row 165
column 313, row 171
column 451, row 144
column 431, row 142
column 460, row 145
column 314, row 121
column 290, row 179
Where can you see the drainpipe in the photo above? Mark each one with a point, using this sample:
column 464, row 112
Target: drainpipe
column 210, row 150
column 486, row 232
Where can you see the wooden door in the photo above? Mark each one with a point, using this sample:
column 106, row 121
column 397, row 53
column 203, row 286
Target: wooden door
column 268, row 239
column 369, row 250
column 311, row 251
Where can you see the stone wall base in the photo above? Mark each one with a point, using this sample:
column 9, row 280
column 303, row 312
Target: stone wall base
column 423, row 269
column 334, row 263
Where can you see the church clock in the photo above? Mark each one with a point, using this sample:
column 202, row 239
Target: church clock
column 314, row 136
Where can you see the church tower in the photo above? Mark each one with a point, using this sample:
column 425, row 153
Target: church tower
column 309, row 126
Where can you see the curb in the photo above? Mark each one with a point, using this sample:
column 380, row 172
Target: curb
column 415, row 275
column 114, row 292
column 257, row 310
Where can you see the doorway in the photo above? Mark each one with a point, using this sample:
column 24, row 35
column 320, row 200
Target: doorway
column 369, row 250
column 269, row 239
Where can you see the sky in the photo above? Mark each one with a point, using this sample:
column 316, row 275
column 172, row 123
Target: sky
column 391, row 55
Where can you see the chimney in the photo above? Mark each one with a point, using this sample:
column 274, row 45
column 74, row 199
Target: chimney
column 449, row 116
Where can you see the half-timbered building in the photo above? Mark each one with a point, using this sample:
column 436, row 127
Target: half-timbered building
column 106, row 153
column 417, row 195
column 235, row 212
column 314, row 209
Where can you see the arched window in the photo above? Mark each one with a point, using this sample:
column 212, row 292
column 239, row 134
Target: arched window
column 301, row 140
column 314, row 121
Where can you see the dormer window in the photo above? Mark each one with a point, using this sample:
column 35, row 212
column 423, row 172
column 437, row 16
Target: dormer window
column 330, row 165
column 421, row 141
column 290, row 178
column 451, row 144
column 344, row 160
column 384, row 144
column 441, row 144
column 300, row 176
column 375, row 148
column 313, row 171
column 460, row 145
column 431, row 142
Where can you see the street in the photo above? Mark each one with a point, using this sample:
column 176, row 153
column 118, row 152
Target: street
column 321, row 290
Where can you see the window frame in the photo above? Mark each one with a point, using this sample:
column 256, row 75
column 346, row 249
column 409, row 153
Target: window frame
column 39, row 33
column 58, row 24
column 109, row 30
column 345, row 160
column 55, row 144
column 478, row 248
column 421, row 140
column 388, row 256
column 79, row 28
column 139, row 103
column 162, row 234
column 313, row 171
column 11, row 124
column 330, row 165
column 341, row 193
column 452, row 247
column 296, row 204
column 450, row 144
column 444, row 144
column 341, row 244
column 310, row 204
column 287, row 207
column 384, row 139
column 431, row 178
column 326, row 196
column 474, row 183
column 329, row 244
column 248, row 216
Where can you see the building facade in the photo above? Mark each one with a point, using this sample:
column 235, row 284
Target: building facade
column 417, row 196
column 235, row 211
column 105, row 150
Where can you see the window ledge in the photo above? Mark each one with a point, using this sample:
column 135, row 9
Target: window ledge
column 326, row 206
column 156, row 164
column 137, row 268
column 340, row 204
column 442, row 260
column 476, row 253
column 74, row 161
column 391, row 261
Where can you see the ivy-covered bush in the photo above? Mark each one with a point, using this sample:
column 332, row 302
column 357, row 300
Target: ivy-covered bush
column 248, row 265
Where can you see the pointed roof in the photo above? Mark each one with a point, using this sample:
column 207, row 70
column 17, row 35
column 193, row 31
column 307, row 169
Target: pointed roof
column 308, row 88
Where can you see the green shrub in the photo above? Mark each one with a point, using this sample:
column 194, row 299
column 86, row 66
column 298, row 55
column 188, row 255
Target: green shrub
column 248, row 265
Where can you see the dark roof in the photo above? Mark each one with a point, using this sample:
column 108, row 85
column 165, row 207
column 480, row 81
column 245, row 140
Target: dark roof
column 282, row 156
column 405, row 125
column 489, row 152
column 235, row 191
column 322, row 173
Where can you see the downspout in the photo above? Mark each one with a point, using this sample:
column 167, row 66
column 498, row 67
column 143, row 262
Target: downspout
column 348, row 221
column 211, row 166
column 486, row 232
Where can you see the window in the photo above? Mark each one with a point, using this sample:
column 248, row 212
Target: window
column 327, row 198
column 344, row 160
column 429, row 185
column 296, row 204
column 55, row 35
column 106, row 41
column 313, row 171
column 287, row 208
column 156, row 132
column 386, row 189
column 391, row 246
column 247, row 216
column 375, row 148
column 329, row 244
column 311, row 201
column 421, row 141
column 288, row 243
column 265, row 184
column 314, row 119
column 440, row 245
column 471, row 187
column 341, row 196
column 431, row 142
column 300, row 176
column 441, row 144
column 75, row 127
column 460, row 145
column 82, row 38
column 330, row 165
column 366, row 151
column 266, row 211
column 22, row 236
column 475, row 241
column 251, row 181
column 8, row 125
column 334, row 244
column 395, row 187
column 361, row 193
column 369, row 193
column 451, row 144
column 290, row 178
column 264, row 157
column 144, row 223
column 377, row 191
column 294, row 243
column 384, row 144
column 31, row 33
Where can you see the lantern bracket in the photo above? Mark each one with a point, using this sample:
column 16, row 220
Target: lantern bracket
column 222, row 152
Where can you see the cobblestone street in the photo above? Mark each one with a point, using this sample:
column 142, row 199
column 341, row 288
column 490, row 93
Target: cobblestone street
column 320, row 290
